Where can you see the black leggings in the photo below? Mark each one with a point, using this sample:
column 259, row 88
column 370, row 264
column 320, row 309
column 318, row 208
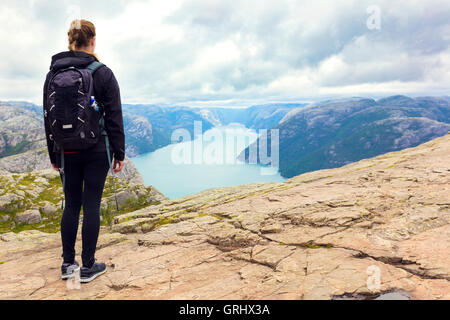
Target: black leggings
column 90, row 169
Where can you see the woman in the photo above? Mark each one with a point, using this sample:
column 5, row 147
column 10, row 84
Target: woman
column 85, row 170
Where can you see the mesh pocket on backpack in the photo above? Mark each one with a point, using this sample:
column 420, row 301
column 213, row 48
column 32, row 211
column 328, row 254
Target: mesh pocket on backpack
column 66, row 108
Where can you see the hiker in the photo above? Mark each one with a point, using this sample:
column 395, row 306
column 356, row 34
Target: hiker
column 84, row 131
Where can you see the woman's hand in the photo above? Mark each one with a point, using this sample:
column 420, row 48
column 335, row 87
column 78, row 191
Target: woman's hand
column 55, row 167
column 118, row 166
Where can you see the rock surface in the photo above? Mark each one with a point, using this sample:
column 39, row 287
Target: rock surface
column 329, row 234
column 21, row 127
column 28, row 217
column 41, row 192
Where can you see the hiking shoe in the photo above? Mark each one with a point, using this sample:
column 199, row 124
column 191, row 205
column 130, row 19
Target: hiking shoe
column 68, row 270
column 89, row 274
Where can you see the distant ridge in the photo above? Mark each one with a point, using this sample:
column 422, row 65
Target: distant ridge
column 333, row 133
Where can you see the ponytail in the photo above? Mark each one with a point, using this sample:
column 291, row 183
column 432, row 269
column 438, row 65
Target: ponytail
column 80, row 34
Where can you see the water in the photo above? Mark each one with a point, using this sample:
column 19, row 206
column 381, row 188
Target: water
column 211, row 165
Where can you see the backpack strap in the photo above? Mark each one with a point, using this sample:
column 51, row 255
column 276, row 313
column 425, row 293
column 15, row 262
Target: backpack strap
column 93, row 66
column 108, row 154
column 111, row 169
column 63, row 177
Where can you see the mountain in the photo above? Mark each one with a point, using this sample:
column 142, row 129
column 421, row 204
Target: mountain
column 256, row 117
column 149, row 127
column 21, row 127
column 376, row 228
column 334, row 133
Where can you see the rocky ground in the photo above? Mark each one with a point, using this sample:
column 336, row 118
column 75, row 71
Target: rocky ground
column 329, row 234
column 32, row 200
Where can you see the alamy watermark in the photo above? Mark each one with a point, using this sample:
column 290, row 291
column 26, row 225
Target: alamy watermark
column 218, row 146
column 374, row 278
column 73, row 283
column 373, row 22
column 73, row 16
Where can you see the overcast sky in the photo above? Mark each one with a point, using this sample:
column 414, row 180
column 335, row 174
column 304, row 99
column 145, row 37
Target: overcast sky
column 209, row 52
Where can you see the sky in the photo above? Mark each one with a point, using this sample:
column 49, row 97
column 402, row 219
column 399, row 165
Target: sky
column 236, row 53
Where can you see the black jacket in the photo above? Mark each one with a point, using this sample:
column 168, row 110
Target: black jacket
column 106, row 90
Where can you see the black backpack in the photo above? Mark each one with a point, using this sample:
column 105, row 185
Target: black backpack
column 74, row 121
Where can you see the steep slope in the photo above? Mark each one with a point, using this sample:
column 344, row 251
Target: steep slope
column 149, row 127
column 333, row 133
column 256, row 117
column 320, row 235
column 21, row 128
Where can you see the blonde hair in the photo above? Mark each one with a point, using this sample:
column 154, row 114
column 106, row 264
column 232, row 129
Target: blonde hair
column 80, row 34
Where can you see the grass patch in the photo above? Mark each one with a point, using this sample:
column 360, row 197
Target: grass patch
column 215, row 215
column 367, row 167
column 27, row 180
column 312, row 245
column 166, row 220
column 130, row 205
column 53, row 194
column 46, row 226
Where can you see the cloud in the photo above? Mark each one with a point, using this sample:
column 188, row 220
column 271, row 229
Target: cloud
column 236, row 52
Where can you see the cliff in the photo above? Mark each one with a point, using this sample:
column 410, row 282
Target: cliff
column 334, row 133
column 321, row 235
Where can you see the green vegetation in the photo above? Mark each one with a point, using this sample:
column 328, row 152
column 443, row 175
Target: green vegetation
column 108, row 214
column 32, row 190
column 312, row 245
column 166, row 220
column 20, row 147
column 203, row 214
